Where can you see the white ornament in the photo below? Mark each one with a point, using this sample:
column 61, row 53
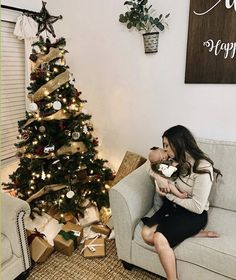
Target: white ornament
column 42, row 129
column 33, row 107
column 56, row 105
column 48, row 149
column 85, row 129
column 70, row 194
column 75, row 135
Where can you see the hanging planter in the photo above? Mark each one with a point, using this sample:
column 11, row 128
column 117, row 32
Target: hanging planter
column 150, row 41
column 141, row 17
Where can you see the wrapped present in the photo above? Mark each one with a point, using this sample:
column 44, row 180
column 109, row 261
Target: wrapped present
column 91, row 216
column 94, row 247
column 44, row 223
column 39, row 222
column 130, row 162
column 65, row 217
column 68, row 238
column 99, row 228
column 51, row 230
column 40, row 249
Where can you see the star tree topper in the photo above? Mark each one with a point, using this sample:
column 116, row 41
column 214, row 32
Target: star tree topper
column 45, row 20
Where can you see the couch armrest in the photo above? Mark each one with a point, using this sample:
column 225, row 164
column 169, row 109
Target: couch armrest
column 130, row 200
column 14, row 210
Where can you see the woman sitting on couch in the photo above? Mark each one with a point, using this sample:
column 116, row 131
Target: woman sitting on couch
column 179, row 218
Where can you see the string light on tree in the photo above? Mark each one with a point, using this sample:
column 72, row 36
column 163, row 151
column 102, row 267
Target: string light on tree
column 56, row 149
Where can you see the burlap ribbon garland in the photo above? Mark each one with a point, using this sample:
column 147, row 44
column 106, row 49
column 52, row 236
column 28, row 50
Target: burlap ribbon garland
column 44, row 190
column 72, row 148
column 34, row 234
column 50, row 86
column 67, row 235
column 59, row 115
column 53, row 53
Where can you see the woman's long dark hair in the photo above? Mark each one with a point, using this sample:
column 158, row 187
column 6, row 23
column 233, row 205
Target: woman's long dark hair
column 181, row 141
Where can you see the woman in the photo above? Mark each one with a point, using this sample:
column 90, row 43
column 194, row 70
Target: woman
column 179, row 218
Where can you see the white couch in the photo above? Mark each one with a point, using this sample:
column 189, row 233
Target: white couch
column 15, row 256
column 197, row 258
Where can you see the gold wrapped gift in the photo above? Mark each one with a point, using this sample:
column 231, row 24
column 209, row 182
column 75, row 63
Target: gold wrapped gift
column 40, row 249
column 94, row 248
column 99, row 228
column 67, row 244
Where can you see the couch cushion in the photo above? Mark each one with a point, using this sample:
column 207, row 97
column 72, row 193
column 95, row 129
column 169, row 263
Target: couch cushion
column 6, row 249
column 223, row 154
column 215, row 254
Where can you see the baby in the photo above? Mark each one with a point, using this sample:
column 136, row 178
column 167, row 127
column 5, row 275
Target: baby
column 165, row 171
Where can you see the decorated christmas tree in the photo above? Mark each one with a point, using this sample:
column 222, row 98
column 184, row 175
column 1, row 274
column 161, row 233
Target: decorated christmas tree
column 59, row 165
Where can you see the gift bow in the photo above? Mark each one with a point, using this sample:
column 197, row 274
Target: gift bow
column 34, row 234
column 72, row 234
column 91, row 246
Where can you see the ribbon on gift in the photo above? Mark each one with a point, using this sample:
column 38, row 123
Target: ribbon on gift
column 67, row 235
column 34, row 234
column 91, row 246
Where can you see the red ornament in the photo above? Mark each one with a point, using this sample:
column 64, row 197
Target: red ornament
column 95, row 142
column 25, row 135
column 39, row 151
column 61, row 125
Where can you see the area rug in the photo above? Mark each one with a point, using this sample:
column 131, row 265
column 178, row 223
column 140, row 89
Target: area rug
column 76, row 267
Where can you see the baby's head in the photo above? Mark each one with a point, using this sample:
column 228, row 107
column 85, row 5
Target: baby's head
column 157, row 155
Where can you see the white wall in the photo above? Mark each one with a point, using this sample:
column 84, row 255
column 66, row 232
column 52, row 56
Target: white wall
column 133, row 97
column 34, row 5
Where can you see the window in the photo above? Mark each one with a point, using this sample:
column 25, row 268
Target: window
column 12, row 95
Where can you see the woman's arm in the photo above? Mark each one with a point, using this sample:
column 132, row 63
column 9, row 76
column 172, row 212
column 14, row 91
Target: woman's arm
column 176, row 192
column 200, row 193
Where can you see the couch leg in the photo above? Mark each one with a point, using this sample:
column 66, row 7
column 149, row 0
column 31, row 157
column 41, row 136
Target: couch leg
column 23, row 275
column 127, row 265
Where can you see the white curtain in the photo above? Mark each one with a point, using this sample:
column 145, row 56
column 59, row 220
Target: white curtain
column 26, row 29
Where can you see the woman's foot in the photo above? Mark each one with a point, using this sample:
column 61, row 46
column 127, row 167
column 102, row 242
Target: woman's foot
column 212, row 234
column 207, row 233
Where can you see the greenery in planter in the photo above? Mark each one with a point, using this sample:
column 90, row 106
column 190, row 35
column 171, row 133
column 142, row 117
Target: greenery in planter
column 142, row 17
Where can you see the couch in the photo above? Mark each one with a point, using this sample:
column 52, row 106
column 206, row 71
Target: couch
column 15, row 256
column 196, row 258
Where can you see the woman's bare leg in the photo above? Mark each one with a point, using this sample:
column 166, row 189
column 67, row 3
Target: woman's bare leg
column 148, row 234
column 166, row 255
column 207, row 233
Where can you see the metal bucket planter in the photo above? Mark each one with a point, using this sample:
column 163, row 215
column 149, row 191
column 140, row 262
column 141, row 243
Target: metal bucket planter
column 151, row 42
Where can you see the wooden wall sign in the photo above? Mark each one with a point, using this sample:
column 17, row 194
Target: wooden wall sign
column 211, row 49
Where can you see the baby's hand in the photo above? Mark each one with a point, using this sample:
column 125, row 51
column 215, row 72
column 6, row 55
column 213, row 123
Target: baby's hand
column 185, row 195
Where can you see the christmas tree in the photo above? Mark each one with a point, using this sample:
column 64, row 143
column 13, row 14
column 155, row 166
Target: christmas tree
column 59, row 165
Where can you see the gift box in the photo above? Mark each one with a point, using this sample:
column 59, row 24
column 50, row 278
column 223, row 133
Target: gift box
column 65, row 217
column 91, row 216
column 40, row 249
column 94, row 248
column 68, row 238
column 99, row 228
column 130, row 162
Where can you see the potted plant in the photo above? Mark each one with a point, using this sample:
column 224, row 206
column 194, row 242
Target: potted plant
column 143, row 18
